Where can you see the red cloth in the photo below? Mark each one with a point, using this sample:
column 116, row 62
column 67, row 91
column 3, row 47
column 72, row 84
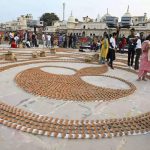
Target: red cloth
column 13, row 45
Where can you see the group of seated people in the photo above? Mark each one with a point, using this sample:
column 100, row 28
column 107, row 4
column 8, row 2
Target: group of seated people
column 23, row 44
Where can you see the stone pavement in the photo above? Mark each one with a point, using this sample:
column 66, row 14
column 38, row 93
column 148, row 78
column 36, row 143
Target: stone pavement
column 67, row 63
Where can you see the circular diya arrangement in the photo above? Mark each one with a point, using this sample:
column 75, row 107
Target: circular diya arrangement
column 50, row 85
column 70, row 87
column 16, row 118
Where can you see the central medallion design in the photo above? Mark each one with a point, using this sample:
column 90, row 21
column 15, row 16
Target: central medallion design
column 70, row 87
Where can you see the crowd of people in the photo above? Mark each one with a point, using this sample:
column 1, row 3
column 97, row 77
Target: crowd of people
column 108, row 49
column 27, row 39
column 138, row 47
column 16, row 38
column 108, row 44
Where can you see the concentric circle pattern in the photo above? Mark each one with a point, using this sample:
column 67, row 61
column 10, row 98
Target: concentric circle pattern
column 70, row 87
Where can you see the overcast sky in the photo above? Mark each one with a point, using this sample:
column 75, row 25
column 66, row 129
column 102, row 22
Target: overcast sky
column 11, row 9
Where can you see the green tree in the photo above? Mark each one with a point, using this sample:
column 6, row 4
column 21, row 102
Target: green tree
column 48, row 18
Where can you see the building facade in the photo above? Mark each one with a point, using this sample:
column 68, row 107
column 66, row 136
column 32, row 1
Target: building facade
column 24, row 22
column 98, row 26
column 86, row 27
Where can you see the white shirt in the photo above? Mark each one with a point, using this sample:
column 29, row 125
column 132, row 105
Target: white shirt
column 48, row 37
column 98, row 43
column 16, row 38
column 43, row 37
column 113, row 42
column 11, row 35
column 138, row 44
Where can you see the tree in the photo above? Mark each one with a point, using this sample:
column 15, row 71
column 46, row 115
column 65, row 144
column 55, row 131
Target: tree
column 48, row 18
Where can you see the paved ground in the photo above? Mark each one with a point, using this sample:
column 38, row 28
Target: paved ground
column 132, row 105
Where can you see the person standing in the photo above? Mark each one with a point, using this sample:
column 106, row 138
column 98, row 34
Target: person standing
column 74, row 40
column 36, row 40
column 16, row 38
column 49, row 40
column 138, row 51
column 65, row 41
column 98, row 45
column 60, row 40
column 123, row 44
column 11, row 37
column 104, row 48
column 70, row 41
column 112, row 50
column 26, row 36
column 131, row 49
column 142, row 37
column 94, row 43
column 52, row 40
column 145, row 60
column 44, row 40
column 33, row 40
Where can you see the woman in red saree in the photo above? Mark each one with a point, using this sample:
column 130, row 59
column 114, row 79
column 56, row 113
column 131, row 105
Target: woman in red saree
column 145, row 60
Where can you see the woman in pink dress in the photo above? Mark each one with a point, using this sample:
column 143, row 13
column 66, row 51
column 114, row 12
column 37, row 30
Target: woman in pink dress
column 145, row 60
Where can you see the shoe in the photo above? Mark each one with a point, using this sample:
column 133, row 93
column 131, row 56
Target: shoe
column 135, row 68
column 112, row 67
column 144, row 79
column 109, row 64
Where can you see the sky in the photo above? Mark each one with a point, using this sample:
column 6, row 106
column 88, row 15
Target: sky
column 11, row 9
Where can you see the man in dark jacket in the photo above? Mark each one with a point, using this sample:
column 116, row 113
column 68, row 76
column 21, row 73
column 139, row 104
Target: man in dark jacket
column 131, row 47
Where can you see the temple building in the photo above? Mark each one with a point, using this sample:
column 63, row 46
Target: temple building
column 140, row 20
column 98, row 26
column 87, row 26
